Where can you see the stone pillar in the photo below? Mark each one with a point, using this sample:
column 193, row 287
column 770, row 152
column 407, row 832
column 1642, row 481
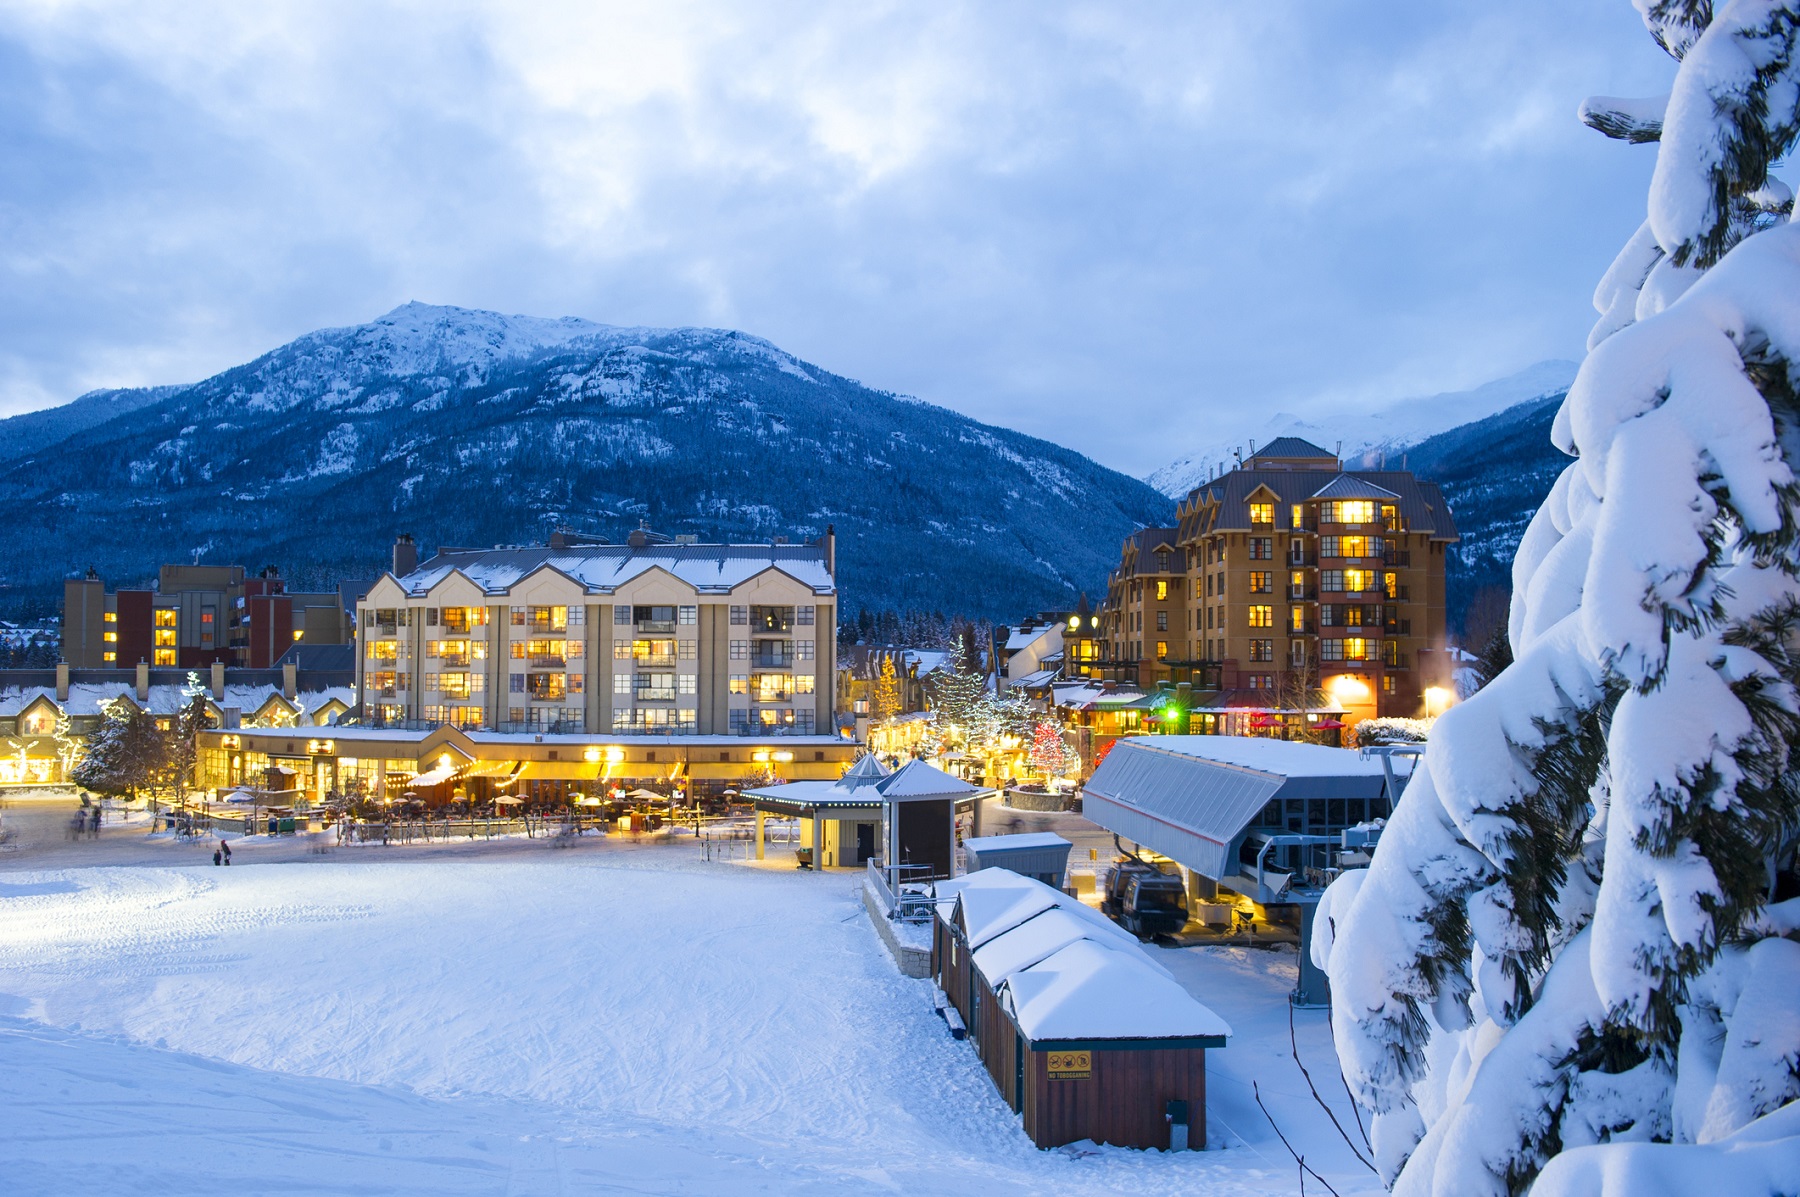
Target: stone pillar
column 143, row 681
column 290, row 680
column 62, row 681
column 218, row 681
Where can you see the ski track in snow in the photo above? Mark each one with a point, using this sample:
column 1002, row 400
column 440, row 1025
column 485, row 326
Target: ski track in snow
column 577, row 1023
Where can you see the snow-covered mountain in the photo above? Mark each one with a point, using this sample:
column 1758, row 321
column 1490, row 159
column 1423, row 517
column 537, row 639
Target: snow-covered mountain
column 468, row 428
column 1367, row 435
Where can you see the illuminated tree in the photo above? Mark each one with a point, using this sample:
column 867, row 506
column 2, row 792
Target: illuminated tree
column 887, row 690
column 1050, row 755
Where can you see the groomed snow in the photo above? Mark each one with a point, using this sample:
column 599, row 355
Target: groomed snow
column 597, row 1020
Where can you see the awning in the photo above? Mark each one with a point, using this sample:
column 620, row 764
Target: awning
column 560, row 771
column 435, row 777
column 491, row 769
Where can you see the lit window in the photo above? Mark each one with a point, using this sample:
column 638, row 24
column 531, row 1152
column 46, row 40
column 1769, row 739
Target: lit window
column 1262, row 513
column 1162, row 649
column 1262, row 581
column 299, row 634
column 167, row 617
column 163, row 656
column 112, row 617
column 109, row 656
column 1162, row 590
column 1262, row 616
column 110, row 637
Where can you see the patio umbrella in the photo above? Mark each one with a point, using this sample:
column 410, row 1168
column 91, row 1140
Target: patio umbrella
column 647, row 796
column 587, row 801
column 504, row 801
column 240, row 798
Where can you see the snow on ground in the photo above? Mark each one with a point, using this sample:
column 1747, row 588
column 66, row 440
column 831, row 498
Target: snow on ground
column 591, row 1020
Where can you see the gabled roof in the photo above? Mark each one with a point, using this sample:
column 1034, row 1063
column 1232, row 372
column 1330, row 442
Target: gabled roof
column 917, row 779
column 1348, row 486
column 1289, row 447
column 867, row 771
column 602, row 569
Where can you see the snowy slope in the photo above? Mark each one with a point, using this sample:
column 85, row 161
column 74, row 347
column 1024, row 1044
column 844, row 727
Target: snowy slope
column 1366, row 435
column 608, row 1019
column 470, row 428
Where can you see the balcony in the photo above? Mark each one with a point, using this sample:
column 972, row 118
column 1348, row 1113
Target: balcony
column 1401, row 557
column 768, row 660
column 1302, row 594
column 548, row 661
column 652, row 693
column 656, row 627
column 1302, row 558
column 1397, row 627
column 1398, row 594
column 1304, row 628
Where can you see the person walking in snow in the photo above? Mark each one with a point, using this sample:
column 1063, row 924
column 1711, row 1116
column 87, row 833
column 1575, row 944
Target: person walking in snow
column 226, row 849
column 215, row 857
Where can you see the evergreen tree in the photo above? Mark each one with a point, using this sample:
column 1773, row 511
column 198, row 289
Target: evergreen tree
column 184, row 743
column 1571, row 936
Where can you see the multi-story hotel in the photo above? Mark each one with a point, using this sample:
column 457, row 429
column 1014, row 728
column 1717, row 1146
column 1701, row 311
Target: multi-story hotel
column 575, row 662
column 1290, row 584
column 1146, row 604
column 197, row 615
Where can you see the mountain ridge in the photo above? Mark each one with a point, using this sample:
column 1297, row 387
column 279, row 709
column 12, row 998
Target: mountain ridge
column 470, row 427
column 1363, row 437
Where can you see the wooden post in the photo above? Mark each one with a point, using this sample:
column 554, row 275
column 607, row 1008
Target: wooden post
column 818, row 841
column 759, row 834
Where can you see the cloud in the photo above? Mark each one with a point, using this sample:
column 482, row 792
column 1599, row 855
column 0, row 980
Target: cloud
column 1120, row 227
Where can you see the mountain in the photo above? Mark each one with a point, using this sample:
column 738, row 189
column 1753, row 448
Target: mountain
column 1366, row 436
column 473, row 428
column 26, row 434
column 1495, row 473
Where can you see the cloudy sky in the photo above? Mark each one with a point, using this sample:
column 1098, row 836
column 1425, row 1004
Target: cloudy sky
column 1125, row 227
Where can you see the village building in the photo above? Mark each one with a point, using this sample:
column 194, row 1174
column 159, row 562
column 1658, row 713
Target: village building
column 47, row 715
column 1083, row 1034
column 538, row 673
column 196, row 615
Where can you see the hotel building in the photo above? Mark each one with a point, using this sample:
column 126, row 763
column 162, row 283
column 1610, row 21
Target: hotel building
column 577, row 662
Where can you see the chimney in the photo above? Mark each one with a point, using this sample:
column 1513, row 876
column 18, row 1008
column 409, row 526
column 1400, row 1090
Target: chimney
column 218, row 680
column 638, row 538
column 290, row 680
column 406, row 555
column 62, row 681
column 143, row 681
column 828, row 542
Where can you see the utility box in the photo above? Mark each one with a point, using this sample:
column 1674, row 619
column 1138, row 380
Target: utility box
column 1041, row 855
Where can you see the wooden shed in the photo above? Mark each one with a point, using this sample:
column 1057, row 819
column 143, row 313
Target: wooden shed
column 1081, row 1031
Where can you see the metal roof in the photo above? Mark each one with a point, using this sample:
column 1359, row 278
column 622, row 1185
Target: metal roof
column 1348, row 486
column 1191, row 798
column 1286, row 448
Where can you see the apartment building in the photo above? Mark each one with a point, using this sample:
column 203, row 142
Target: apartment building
column 1146, row 606
column 194, row 616
column 1317, row 584
column 651, row 637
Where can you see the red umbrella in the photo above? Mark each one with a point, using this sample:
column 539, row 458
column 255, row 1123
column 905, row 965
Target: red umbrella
column 1329, row 724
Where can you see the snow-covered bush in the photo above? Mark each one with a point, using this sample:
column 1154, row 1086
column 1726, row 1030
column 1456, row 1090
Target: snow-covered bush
column 1392, row 729
column 1566, row 964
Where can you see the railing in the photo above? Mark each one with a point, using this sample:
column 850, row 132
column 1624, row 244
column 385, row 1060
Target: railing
column 1397, row 627
column 1398, row 594
column 772, row 660
column 652, row 694
column 541, row 726
column 544, row 662
column 905, row 905
column 1397, row 557
column 1302, row 593
column 656, row 626
column 1304, row 628
column 1294, row 558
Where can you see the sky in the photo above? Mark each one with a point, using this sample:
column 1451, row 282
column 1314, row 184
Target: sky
column 1123, row 227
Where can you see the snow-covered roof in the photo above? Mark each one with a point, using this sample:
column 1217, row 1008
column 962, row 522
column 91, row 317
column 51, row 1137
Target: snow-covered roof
column 1041, row 677
column 867, row 771
column 1027, row 839
column 601, row 569
column 1285, row 758
column 1291, row 447
column 89, row 698
column 1066, row 971
column 1019, row 638
column 1084, row 694
column 918, row 779
column 1091, row 990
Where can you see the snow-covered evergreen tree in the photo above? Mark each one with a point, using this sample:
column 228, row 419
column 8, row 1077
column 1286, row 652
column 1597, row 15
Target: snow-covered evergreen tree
column 887, row 690
column 1571, row 966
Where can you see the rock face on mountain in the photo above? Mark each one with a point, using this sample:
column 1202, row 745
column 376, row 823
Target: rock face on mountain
column 472, row 428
